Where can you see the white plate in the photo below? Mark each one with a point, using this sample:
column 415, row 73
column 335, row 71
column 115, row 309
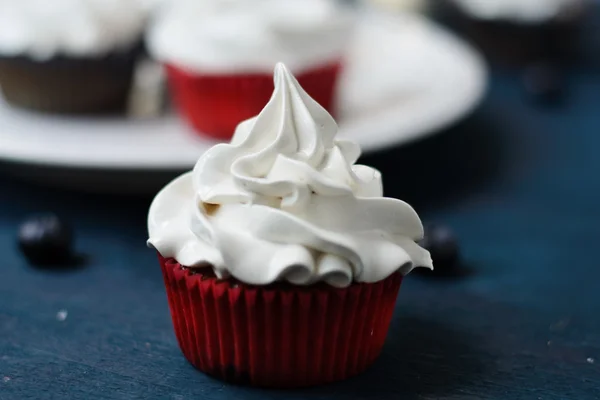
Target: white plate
column 405, row 79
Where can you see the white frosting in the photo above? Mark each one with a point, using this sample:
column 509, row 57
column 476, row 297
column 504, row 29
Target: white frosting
column 286, row 202
column 44, row 28
column 243, row 35
column 518, row 10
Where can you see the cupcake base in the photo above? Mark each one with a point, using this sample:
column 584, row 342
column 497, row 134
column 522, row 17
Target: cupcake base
column 516, row 44
column 68, row 85
column 280, row 335
column 214, row 104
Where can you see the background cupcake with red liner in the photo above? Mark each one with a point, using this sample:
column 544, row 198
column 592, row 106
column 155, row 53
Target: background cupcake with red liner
column 219, row 54
column 282, row 260
column 69, row 56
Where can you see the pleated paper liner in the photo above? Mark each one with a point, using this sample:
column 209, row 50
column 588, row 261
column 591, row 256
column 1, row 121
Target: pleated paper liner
column 214, row 104
column 69, row 85
column 279, row 335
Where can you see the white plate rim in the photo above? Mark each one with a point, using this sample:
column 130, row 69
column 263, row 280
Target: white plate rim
column 446, row 113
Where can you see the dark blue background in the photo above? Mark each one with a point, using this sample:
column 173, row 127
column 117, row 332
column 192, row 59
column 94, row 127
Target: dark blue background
column 520, row 184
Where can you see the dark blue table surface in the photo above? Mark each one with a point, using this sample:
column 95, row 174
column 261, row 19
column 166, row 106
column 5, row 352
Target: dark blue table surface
column 520, row 184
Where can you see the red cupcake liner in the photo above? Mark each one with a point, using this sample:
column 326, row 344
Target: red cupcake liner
column 215, row 104
column 278, row 335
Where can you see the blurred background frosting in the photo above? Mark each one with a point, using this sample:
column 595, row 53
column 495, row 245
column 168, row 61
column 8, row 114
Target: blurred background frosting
column 42, row 30
column 531, row 11
column 237, row 35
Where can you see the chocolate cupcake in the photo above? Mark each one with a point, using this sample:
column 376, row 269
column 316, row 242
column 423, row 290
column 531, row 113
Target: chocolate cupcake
column 517, row 32
column 69, row 56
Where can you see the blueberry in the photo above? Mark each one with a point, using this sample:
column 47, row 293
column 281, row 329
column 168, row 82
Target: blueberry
column 46, row 240
column 441, row 242
column 544, row 82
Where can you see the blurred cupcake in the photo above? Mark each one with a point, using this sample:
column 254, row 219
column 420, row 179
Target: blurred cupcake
column 219, row 54
column 281, row 259
column 69, row 56
column 517, row 32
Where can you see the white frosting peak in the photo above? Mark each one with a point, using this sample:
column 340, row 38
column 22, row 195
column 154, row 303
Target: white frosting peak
column 242, row 35
column 42, row 29
column 285, row 201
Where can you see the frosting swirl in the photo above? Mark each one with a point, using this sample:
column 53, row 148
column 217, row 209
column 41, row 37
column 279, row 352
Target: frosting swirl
column 242, row 35
column 42, row 28
column 285, row 201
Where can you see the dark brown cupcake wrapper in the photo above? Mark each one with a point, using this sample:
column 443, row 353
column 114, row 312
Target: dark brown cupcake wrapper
column 69, row 85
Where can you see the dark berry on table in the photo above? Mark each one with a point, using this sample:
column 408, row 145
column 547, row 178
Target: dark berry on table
column 46, row 240
column 544, row 82
column 441, row 242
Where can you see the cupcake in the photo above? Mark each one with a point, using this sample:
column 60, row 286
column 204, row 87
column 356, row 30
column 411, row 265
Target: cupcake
column 281, row 259
column 69, row 56
column 517, row 32
column 219, row 54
